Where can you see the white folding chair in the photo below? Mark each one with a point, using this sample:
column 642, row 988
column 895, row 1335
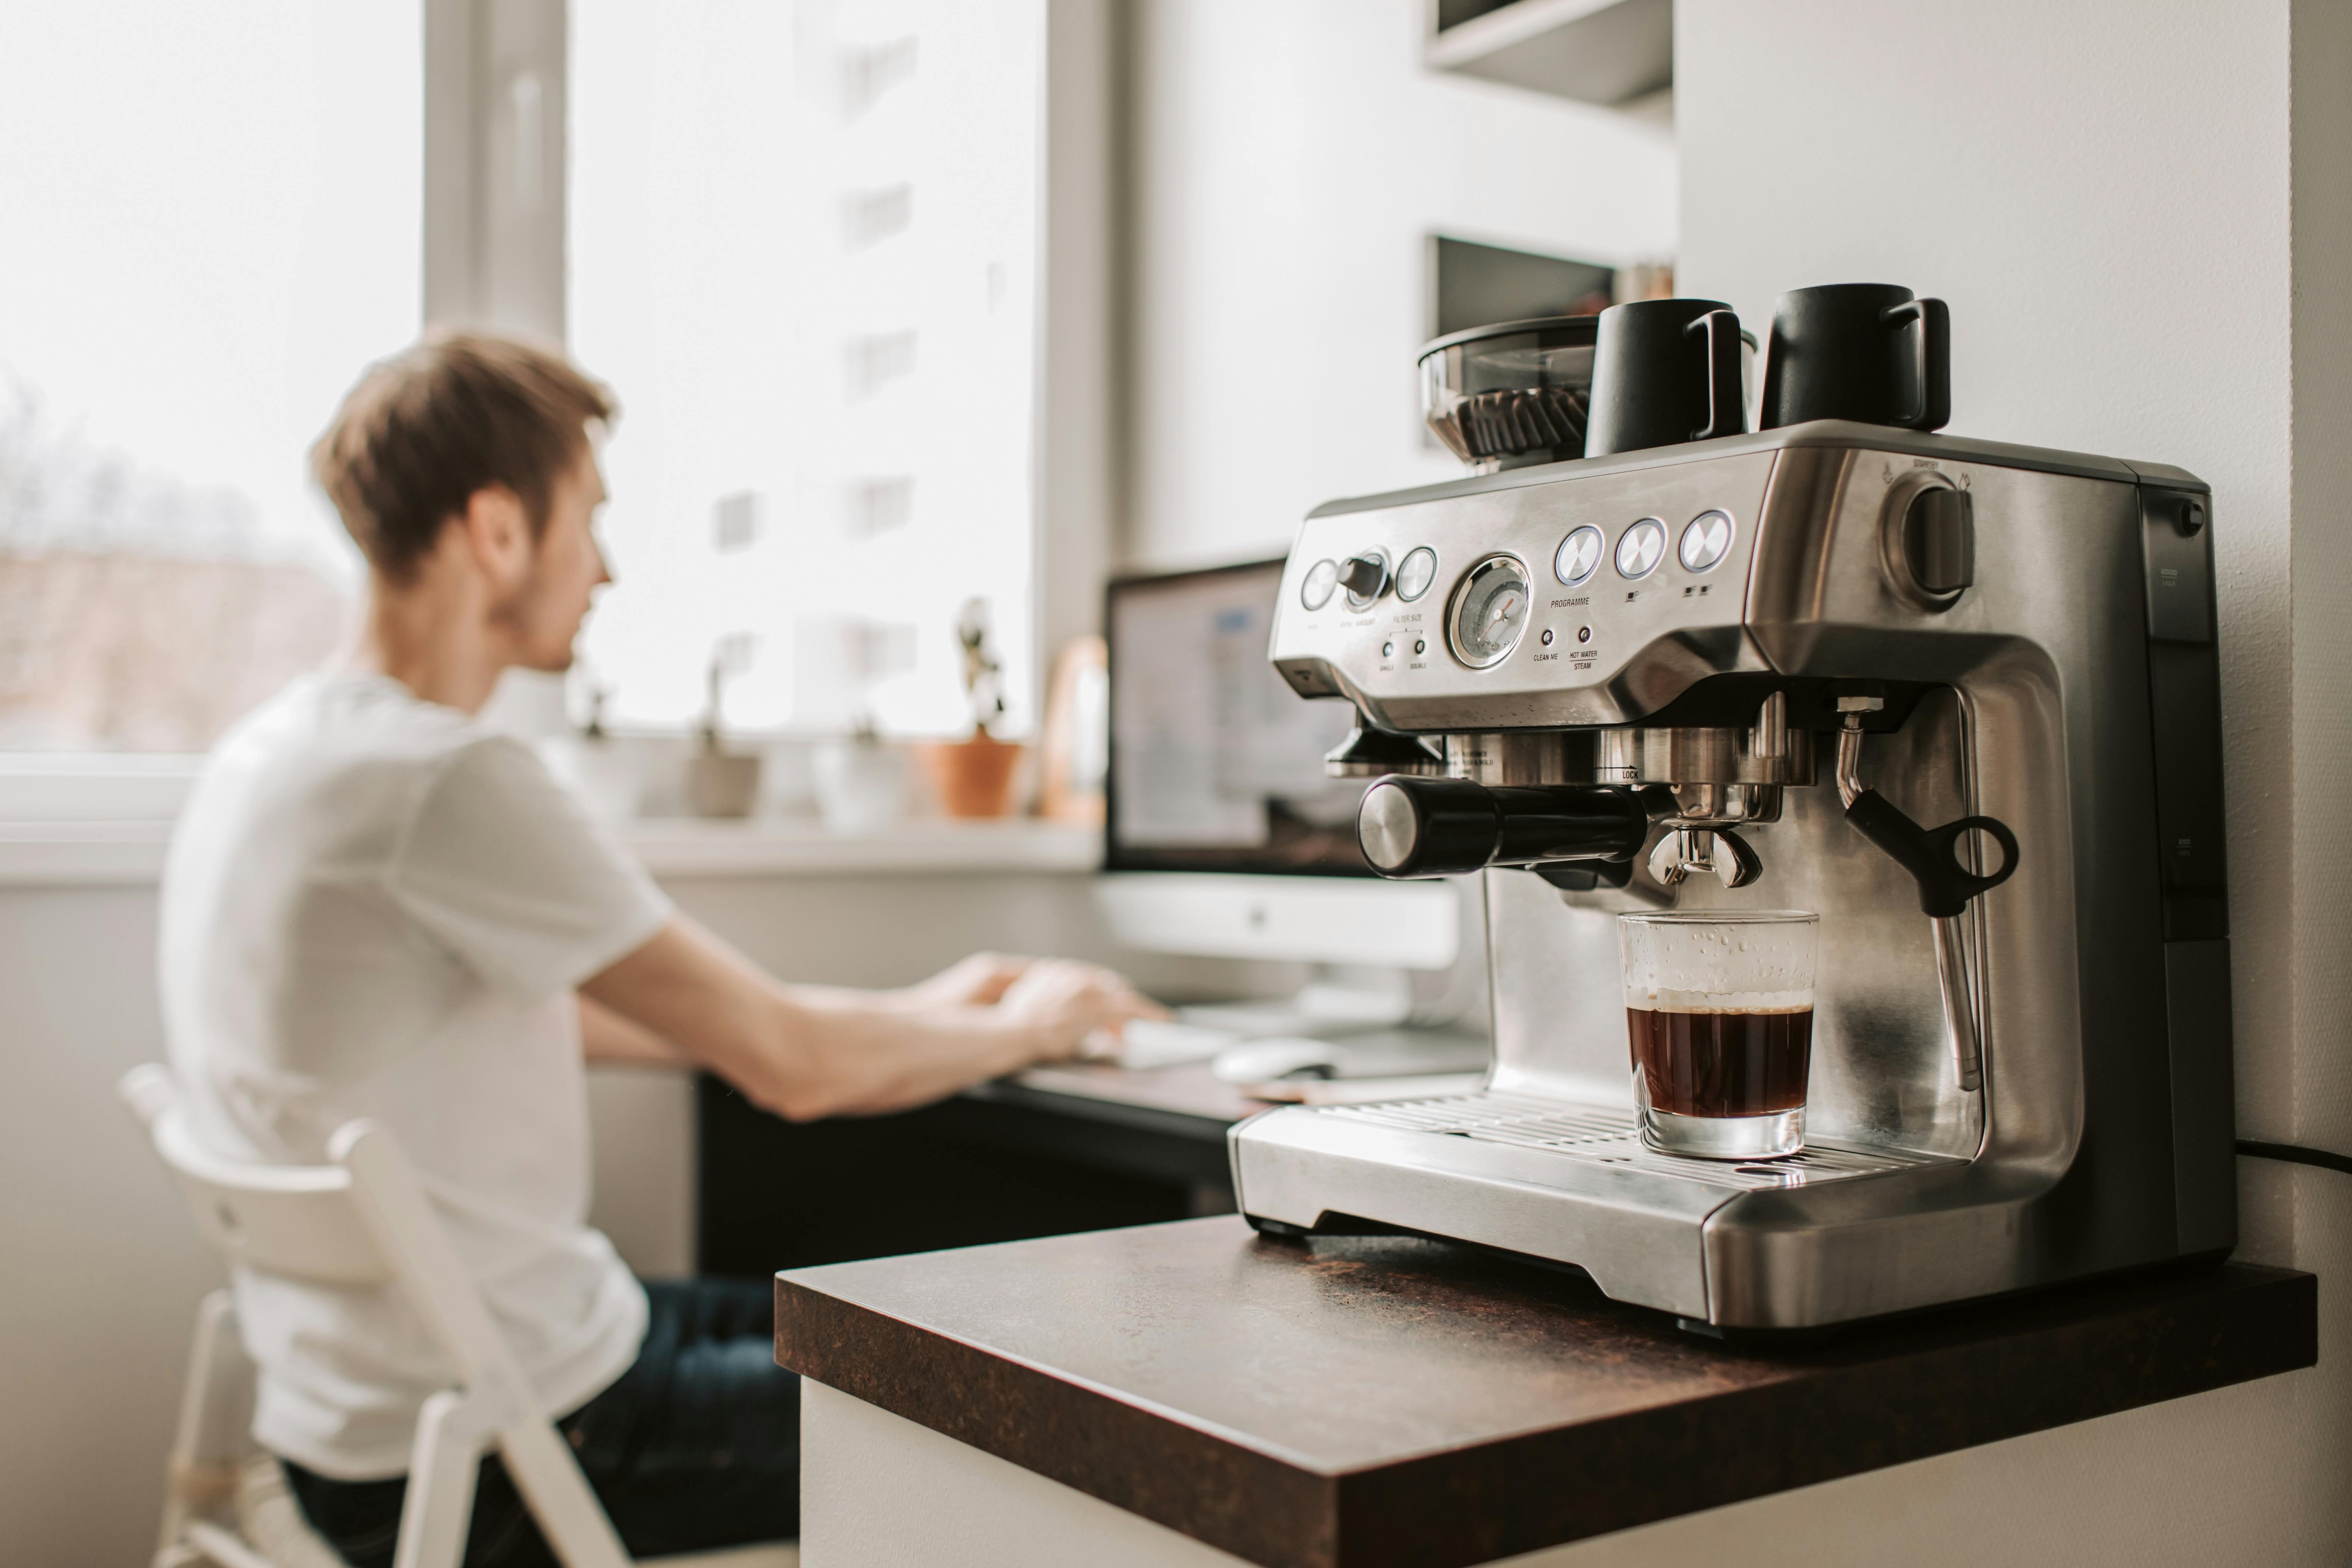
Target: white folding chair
column 362, row 1220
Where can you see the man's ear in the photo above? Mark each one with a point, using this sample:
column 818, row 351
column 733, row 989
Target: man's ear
column 498, row 534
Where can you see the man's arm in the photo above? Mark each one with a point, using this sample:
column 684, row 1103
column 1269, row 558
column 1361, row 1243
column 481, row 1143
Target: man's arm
column 606, row 1036
column 809, row 1052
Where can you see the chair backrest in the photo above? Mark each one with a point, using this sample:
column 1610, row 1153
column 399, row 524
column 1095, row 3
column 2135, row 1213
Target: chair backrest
column 363, row 1220
column 296, row 1220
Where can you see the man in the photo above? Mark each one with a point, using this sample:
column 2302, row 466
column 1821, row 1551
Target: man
column 376, row 907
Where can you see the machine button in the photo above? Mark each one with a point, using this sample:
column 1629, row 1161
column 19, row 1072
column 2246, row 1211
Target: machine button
column 1415, row 572
column 1640, row 549
column 1546, row 636
column 1577, row 557
column 1706, row 540
column 1321, row 579
column 1365, row 576
column 1388, row 650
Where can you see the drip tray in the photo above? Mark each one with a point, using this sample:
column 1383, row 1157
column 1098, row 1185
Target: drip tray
column 1599, row 1136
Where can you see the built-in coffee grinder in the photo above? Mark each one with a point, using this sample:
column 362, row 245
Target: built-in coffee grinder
column 1960, row 698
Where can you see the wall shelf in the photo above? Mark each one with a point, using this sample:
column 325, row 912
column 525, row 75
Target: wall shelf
column 1610, row 52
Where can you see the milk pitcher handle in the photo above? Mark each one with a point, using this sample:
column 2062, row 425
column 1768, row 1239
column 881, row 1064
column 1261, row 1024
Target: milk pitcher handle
column 1726, row 399
column 1934, row 323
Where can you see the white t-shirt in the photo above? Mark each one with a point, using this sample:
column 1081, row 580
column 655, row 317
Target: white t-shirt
column 375, row 906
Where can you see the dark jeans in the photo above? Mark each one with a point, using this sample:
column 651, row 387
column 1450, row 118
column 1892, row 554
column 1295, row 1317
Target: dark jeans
column 696, row 1446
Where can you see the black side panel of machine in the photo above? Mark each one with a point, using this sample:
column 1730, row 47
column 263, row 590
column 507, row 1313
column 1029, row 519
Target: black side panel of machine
column 2204, row 1095
column 2184, row 680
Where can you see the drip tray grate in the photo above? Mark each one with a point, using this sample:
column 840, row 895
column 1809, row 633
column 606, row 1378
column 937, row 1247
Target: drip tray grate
column 1593, row 1135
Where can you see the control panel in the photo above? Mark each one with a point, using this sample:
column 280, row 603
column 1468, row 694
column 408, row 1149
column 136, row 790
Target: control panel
column 1589, row 599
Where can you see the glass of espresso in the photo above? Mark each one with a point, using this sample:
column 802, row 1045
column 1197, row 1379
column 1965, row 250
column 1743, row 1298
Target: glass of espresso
column 1719, row 1006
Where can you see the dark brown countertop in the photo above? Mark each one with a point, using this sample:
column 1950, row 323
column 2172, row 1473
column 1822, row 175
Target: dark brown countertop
column 1352, row 1402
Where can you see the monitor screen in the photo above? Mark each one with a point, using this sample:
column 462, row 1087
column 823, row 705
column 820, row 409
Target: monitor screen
column 1215, row 765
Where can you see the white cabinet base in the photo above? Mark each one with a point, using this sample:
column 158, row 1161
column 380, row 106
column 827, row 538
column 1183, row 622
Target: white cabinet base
column 879, row 1491
column 2132, row 1491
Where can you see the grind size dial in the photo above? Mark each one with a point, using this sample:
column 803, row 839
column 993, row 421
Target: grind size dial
column 1490, row 612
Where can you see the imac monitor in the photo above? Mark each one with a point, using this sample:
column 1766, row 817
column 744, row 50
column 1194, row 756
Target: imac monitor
column 1223, row 835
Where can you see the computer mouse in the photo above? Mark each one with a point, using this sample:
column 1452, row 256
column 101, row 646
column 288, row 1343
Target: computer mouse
column 1277, row 1057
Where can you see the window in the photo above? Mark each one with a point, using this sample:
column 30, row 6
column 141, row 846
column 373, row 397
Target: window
column 803, row 249
column 208, row 223
column 801, row 241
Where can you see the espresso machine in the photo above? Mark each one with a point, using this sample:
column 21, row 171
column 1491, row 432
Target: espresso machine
column 1960, row 698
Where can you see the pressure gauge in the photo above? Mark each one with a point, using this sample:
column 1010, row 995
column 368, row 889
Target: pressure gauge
column 1490, row 612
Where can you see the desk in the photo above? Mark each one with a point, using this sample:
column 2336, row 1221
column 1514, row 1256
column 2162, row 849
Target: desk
column 1050, row 1151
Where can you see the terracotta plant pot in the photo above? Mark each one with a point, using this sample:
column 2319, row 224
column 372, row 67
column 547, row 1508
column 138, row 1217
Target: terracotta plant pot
column 974, row 778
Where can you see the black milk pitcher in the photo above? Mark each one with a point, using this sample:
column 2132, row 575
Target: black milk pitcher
column 1665, row 370
column 1867, row 352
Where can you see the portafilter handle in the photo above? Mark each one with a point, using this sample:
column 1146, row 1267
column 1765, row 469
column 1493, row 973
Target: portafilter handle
column 1435, row 827
column 1932, row 856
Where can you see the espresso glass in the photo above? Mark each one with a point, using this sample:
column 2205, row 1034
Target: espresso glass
column 1719, row 1013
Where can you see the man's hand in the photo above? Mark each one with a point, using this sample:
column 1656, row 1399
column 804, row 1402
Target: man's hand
column 976, row 980
column 1065, row 1002
column 810, row 1051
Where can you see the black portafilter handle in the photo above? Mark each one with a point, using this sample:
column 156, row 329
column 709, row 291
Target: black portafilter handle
column 1932, row 854
column 1435, row 827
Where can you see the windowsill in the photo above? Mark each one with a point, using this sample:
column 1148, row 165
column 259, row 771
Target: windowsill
column 694, row 847
column 129, row 853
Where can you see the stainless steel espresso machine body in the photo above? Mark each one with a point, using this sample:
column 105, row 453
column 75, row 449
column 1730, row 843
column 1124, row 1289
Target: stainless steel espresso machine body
column 1718, row 648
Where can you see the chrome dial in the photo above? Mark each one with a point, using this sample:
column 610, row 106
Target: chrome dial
column 1321, row 579
column 1577, row 557
column 1641, row 547
column 1415, row 572
column 1706, row 540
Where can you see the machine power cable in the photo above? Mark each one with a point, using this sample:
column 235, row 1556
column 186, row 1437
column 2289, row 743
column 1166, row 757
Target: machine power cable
column 2295, row 1153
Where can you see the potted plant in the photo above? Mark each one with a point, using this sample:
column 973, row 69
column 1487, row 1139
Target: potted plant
column 974, row 778
column 719, row 782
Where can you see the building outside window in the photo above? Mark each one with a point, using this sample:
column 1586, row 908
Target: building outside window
column 800, row 243
column 208, row 221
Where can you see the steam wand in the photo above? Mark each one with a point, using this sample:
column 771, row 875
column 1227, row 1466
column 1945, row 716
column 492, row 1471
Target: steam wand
column 1946, row 886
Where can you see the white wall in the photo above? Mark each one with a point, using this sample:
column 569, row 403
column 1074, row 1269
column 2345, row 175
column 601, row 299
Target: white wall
column 2101, row 190
column 1288, row 162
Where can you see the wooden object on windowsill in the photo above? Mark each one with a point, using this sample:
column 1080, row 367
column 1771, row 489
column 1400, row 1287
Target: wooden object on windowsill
column 972, row 777
column 1071, row 762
